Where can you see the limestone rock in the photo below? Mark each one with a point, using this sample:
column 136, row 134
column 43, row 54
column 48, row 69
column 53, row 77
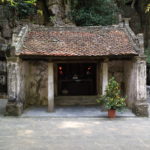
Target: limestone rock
column 59, row 10
column 7, row 24
column 6, row 32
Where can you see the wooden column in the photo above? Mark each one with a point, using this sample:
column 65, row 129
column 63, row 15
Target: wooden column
column 50, row 87
column 104, row 75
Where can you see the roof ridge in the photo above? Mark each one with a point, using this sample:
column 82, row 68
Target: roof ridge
column 137, row 40
column 42, row 27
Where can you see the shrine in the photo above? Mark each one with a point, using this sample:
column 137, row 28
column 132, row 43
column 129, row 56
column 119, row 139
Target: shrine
column 72, row 65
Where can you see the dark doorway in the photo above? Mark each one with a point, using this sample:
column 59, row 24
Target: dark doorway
column 3, row 77
column 148, row 73
column 76, row 78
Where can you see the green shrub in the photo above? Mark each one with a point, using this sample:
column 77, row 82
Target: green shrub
column 112, row 98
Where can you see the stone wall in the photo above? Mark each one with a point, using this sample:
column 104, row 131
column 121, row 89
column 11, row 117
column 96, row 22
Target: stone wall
column 116, row 69
column 37, row 83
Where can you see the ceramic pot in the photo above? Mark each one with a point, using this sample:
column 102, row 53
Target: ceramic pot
column 111, row 113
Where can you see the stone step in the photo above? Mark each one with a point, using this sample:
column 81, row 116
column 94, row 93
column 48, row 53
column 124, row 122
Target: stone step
column 75, row 100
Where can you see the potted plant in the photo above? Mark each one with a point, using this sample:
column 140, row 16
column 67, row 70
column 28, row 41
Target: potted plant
column 112, row 99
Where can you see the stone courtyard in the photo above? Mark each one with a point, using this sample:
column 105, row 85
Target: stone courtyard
column 72, row 133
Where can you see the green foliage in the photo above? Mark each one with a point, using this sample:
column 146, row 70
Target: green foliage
column 15, row 2
column 112, row 99
column 24, row 8
column 11, row 2
column 147, row 8
column 95, row 12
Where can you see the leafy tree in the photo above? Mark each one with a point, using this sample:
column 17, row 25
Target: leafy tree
column 93, row 12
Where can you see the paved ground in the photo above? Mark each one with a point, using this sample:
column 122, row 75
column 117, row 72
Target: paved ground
column 74, row 134
column 46, row 133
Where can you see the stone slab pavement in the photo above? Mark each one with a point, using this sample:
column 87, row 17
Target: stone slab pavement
column 74, row 133
column 47, row 133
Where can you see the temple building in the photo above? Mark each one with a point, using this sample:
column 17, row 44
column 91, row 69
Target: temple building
column 72, row 65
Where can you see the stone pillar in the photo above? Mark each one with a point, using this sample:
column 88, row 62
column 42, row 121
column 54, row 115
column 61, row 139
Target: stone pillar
column 14, row 106
column 140, row 37
column 140, row 106
column 50, row 87
column 104, row 75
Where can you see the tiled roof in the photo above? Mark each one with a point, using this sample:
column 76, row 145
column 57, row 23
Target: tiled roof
column 81, row 41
